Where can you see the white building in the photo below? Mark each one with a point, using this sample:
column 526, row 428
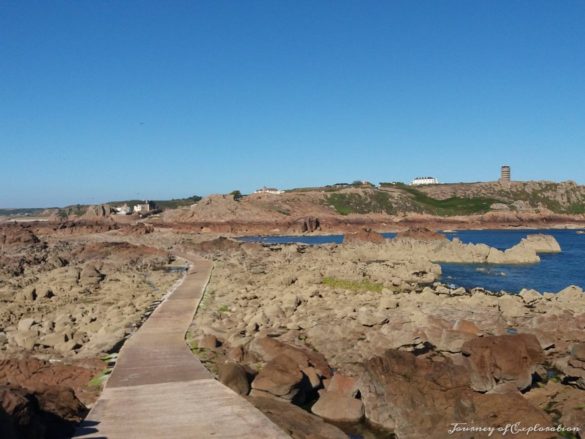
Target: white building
column 143, row 208
column 123, row 210
column 269, row 190
column 419, row 181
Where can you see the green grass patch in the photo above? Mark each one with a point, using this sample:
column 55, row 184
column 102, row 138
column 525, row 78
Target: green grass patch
column 370, row 202
column 223, row 309
column 450, row 206
column 358, row 286
column 99, row 380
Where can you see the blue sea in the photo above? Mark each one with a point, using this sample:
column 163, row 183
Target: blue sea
column 553, row 273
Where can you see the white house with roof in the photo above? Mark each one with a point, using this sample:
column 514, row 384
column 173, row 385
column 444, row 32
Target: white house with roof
column 269, row 190
column 420, row 181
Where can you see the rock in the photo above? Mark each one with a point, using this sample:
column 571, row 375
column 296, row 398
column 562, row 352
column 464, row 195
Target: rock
column 511, row 306
column 295, row 421
column 312, row 376
column 467, row 327
column 62, row 402
column 504, row 358
column 52, row 412
column 52, row 340
column 235, row 377
column 541, row 243
column 452, row 341
column 571, row 294
column 388, row 302
column 280, row 377
column 268, row 348
column 208, row 341
column 99, row 211
column 566, row 400
column 578, row 351
column 364, row 235
column 309, row 224
column 370, row 317
column 499, row 206
column 343, row 384
column 27, row 295
column 458, row 292
column 421, row 233
column 24, row 325
column 17, row 234
column 90, row 275
column 418, row 398
column 235, row 354
column 530, row 296
column 337, row 407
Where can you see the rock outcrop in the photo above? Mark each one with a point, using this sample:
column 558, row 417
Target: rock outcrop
column 419, row 398
column 364, row 235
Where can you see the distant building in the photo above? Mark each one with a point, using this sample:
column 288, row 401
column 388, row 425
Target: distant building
column 143, row 208
column 419, row 181
column 505, row 174
column 269, row 190
column 123, row 210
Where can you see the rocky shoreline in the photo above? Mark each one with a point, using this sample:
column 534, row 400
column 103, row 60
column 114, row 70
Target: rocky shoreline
column 358, row 338
column 365, row 332
column 66, row 303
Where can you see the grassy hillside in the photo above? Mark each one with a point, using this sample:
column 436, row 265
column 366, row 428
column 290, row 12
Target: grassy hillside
column 450, row 206
column 369, row 202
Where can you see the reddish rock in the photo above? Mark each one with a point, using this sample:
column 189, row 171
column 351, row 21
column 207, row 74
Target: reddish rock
column 281, row 377
column 17, row 234
column 503, row 358
column 268, row 348
column 343, row 384
column 338, row 407
column 364, row 235
column 51, row 413
column 420, row 398
column 467, row 327
column 578, row 351
column 208, row 341
column 221, row 244
column 420, row 233
column 36, row 375
column 309, row 224
column 297, row 422
column 235, row 377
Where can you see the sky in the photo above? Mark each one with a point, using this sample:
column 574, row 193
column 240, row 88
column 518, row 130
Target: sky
column 108, row 100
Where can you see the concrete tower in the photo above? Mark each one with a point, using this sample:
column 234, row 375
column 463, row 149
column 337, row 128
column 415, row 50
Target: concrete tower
column 505, row 174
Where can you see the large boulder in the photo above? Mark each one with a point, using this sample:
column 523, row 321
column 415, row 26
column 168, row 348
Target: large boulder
column 281, row 377
column 50, row 413
column 235, row 377
column 364, row 235
column 99, row 211
column 493, row 360
column 541, row 243
column 267, row 348
column 297, row 422
column 309, row 224
column 338, row 407
column 420, row 398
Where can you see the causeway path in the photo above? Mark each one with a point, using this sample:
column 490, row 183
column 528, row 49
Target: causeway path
column 159, row 389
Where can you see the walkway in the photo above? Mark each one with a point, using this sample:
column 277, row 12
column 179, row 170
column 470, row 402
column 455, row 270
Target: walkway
column 159, row 389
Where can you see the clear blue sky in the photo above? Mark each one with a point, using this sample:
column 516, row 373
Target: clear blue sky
column 105, row 100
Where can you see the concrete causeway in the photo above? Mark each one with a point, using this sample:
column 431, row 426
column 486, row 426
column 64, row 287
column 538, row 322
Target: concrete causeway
column 159, row 389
